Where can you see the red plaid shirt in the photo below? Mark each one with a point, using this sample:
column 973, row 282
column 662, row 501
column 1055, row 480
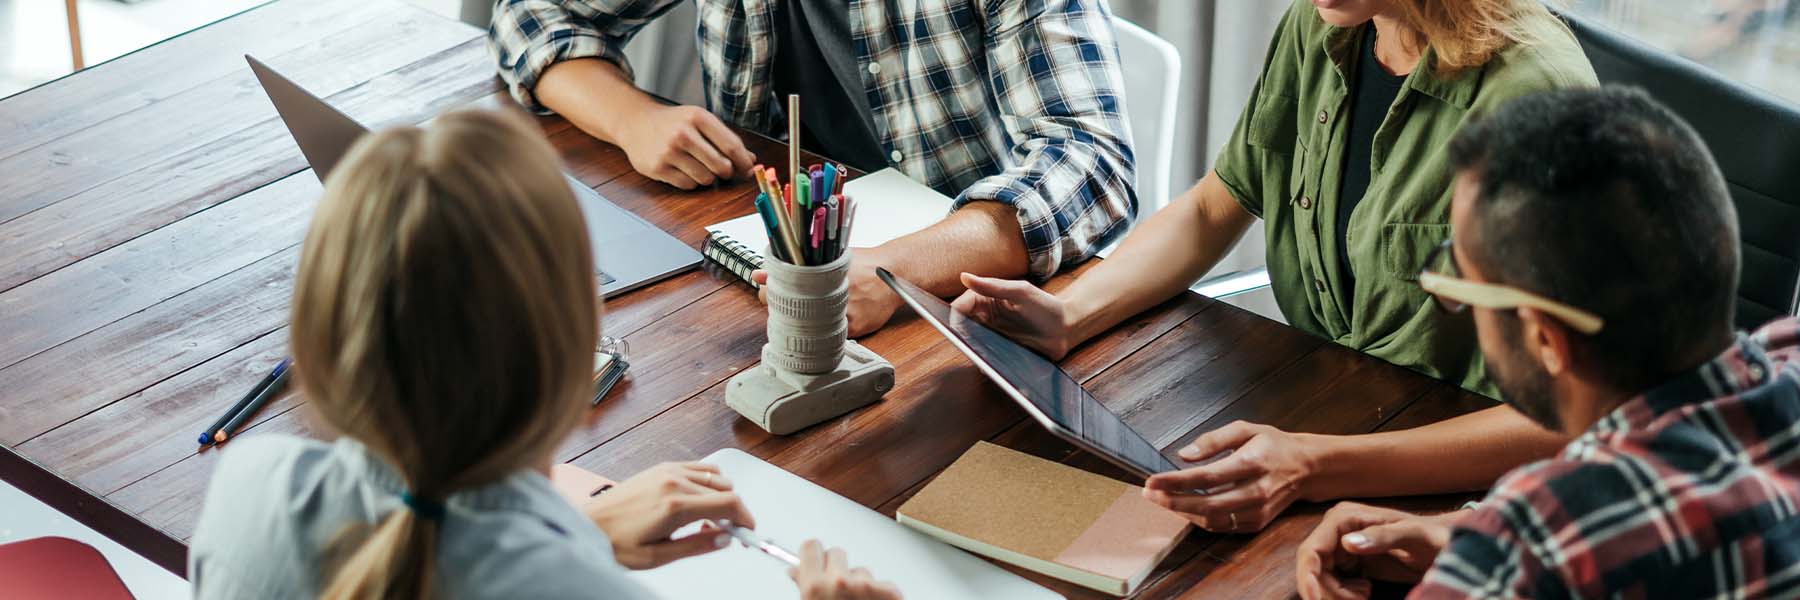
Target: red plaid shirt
column 1689, row 491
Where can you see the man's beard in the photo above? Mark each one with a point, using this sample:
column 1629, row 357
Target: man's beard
column 1523, row 383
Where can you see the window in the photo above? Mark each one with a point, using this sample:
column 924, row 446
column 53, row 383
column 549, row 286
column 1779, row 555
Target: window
column 34, row 34
column 1756, row 42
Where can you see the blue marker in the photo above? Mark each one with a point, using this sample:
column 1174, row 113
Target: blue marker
column 207, row 437
column 767, row 212
column 262, row 397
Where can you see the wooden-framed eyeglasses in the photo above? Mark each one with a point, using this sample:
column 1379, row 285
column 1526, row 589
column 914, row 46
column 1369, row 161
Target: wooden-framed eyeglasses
column 1440, row 278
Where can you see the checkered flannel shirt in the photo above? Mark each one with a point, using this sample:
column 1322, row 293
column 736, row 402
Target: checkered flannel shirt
column 1688, row 491
column 1014, row 101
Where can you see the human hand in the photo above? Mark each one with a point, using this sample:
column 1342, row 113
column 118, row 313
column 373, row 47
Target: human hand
column 1246, row 489
column 683, row 146
column 641, row 513
column 872, row 303
column 1021, row 311
column 826, row 575
column 1357, row 543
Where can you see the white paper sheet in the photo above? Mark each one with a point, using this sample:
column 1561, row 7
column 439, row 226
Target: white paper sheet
column 790, row 510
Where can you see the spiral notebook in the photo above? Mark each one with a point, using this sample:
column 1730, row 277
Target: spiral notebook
column 891, row 205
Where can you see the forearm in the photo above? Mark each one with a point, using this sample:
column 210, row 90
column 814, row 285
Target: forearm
column 1164, row 255
column 593, row 94
column 981, row 238
column 1466, row 453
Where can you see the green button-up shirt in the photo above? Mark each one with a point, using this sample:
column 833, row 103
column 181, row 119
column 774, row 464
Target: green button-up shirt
column 1286, row 157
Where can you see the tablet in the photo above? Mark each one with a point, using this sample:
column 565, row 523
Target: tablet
column 1052, row 398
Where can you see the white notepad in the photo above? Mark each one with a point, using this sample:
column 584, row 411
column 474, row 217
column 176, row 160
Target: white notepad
column 790, row 510
column 890, row 205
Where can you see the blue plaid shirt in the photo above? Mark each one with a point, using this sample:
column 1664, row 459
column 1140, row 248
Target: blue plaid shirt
column 1013, row 101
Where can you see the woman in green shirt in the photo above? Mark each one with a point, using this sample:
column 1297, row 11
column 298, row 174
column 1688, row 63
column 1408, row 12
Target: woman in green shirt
column 1340, row 153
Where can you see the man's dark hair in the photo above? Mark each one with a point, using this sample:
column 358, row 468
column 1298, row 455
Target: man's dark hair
column 1605, row 200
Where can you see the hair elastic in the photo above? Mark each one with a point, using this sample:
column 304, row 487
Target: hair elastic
column 430, row 510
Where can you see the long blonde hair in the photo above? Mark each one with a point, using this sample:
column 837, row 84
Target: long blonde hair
column 444, row 315
column 1468, row 33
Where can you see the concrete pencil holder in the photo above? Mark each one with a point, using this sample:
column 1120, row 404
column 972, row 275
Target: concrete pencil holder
column 810, row 371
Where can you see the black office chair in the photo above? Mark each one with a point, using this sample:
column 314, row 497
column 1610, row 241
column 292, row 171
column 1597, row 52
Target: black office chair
column 1756, row 139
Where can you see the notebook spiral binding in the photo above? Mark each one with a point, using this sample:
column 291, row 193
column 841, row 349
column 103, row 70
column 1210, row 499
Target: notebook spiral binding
column 732, row 255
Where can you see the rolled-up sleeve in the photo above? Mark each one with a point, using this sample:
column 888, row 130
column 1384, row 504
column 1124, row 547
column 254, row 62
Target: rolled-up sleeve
column 1054, row 66
column 527, row 36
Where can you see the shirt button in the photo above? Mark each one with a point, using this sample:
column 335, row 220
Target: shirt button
column 874, row 68
column 1319, row 285
column 896, row 156
column 1305, row 203
column 1323, row 117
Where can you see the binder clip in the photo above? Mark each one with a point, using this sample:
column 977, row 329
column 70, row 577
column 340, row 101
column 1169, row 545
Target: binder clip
column 609, row 365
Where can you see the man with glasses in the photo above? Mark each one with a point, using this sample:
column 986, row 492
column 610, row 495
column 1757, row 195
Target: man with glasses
column 1596, row 249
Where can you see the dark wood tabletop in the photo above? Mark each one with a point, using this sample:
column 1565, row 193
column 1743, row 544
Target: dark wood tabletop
column 151, row 211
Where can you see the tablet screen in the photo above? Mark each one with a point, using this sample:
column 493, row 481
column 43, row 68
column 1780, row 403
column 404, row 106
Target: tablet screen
column 1046, row 389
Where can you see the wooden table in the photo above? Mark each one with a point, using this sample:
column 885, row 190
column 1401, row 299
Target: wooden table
column 151, row 210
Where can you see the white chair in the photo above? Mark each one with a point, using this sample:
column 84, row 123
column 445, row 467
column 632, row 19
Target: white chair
column 1152, row 70
column 1152, row 76
column 477, row 12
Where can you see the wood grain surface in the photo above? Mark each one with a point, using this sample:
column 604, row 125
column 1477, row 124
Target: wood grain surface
column 151, row 210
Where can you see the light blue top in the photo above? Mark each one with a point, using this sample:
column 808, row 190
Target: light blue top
column 276, row 502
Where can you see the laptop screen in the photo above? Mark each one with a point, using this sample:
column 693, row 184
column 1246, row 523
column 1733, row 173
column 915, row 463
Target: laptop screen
column 1047, row 392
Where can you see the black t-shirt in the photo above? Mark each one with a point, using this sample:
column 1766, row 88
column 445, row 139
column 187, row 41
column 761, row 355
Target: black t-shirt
column 815, row 57
column 1372, row 91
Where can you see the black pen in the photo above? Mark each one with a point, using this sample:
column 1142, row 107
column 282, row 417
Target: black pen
column 262, row 397
column 206, row 437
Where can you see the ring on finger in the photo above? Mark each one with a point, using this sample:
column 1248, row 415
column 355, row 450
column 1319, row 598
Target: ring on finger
column 1234, row 523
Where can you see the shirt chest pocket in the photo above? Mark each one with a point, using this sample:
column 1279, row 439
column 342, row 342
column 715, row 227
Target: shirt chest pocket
column 1274, row 129
column 1404, row 247
column 1272, row 124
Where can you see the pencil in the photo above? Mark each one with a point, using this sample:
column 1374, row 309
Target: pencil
column 790, row 237
column 793, row 115
column 206, row 437
column 268, row 392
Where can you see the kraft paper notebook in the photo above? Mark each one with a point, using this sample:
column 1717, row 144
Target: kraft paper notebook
column 790, row 510
column 891, row 205
column 1054, row 519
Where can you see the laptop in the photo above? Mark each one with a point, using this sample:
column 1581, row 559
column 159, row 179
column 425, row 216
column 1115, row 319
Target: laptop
column 629, row 252
column 1047, row 393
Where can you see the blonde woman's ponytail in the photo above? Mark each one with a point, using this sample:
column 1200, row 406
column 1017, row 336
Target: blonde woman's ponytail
column 392, row 559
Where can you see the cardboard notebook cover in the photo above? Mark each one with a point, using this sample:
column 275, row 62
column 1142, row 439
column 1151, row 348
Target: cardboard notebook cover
column 1057, row 520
